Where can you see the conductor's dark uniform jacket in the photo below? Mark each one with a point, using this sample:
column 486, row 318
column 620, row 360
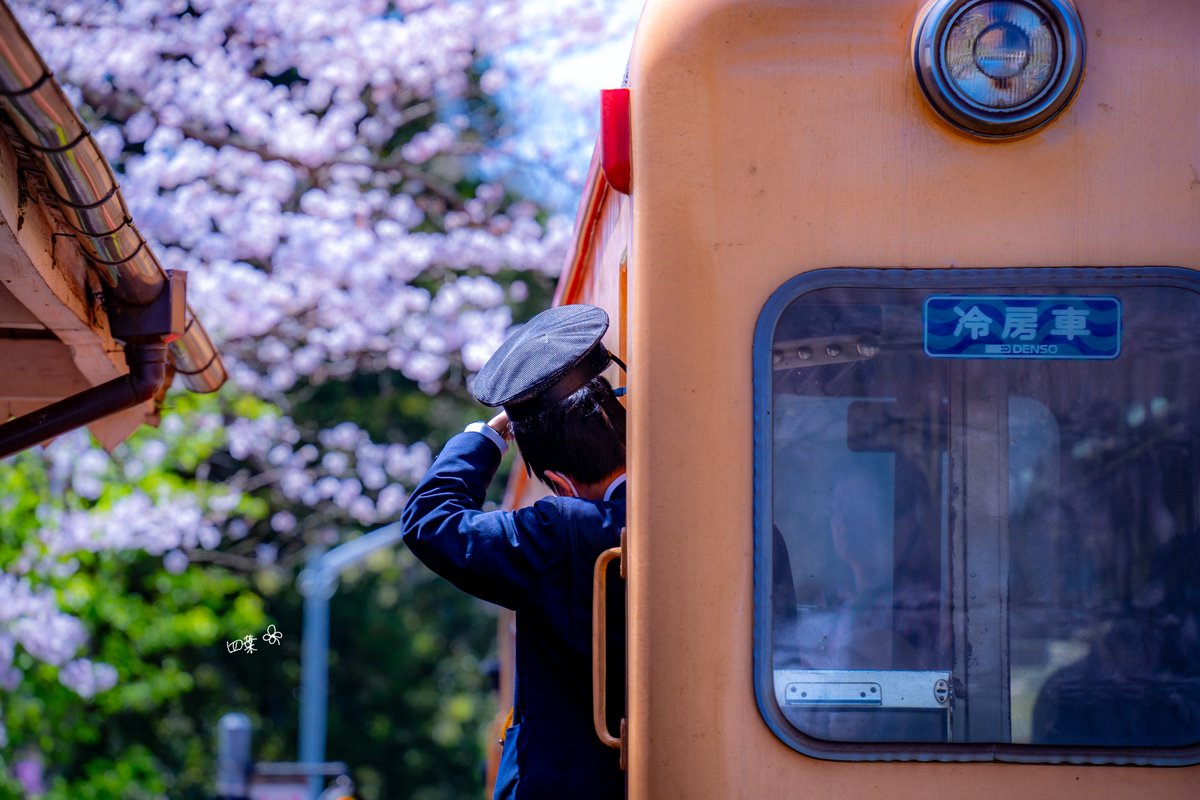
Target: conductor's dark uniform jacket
column 537, row 561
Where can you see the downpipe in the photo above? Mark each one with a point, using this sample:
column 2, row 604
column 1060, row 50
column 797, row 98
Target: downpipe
column 147, row 375
column 146, row 331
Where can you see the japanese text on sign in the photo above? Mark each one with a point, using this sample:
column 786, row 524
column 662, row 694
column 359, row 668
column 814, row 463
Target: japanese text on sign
column 1022, row 326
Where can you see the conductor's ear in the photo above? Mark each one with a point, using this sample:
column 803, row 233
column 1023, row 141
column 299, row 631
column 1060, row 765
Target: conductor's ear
column 561, row 484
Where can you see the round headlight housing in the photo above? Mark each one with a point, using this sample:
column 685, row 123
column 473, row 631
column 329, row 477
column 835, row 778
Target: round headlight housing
column 998, row 68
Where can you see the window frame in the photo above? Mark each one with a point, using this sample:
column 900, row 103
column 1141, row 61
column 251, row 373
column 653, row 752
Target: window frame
column 941, row 281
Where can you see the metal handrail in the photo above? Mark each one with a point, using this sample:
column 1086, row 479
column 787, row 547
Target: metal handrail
column 600, row 648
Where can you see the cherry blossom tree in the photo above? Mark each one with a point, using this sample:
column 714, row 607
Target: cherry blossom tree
column 319, row 169
column 336, row 178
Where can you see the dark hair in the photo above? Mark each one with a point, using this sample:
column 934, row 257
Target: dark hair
column 582, row 437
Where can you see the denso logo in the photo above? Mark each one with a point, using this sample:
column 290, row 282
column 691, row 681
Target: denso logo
column 1023, row 349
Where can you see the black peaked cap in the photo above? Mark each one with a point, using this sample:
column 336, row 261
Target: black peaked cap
column 550, row 358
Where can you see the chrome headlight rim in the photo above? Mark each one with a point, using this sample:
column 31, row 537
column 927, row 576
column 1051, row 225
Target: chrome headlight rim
column 930, row 36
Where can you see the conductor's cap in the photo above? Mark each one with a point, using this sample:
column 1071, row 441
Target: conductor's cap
column 550, row 358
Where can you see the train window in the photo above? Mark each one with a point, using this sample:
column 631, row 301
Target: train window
column 978, row 514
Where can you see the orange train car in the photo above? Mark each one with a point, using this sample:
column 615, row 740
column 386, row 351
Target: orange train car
column 909, row 299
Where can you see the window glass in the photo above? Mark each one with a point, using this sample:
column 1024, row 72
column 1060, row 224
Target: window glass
column 978, row 511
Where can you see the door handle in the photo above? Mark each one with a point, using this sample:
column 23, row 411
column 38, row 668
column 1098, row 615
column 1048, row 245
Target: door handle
column 600, row 648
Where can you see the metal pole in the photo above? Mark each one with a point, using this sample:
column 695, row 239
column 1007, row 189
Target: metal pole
column 233, row 756
column 318, row 587
column 317, row 583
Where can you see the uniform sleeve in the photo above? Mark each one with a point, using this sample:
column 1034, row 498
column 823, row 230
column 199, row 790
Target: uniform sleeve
column 499, row 556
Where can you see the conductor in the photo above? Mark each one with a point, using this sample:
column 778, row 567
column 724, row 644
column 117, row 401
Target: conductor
column 538, row 561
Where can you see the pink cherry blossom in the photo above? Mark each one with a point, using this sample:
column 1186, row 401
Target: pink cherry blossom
column 306, row 163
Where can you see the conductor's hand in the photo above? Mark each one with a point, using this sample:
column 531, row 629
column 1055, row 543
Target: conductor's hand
column 500, row 425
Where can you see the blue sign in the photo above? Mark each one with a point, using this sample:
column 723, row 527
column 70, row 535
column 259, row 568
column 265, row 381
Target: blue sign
column 1022, row 326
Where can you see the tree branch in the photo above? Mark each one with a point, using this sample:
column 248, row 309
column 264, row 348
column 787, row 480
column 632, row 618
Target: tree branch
column 224, row 559
column 122, row 107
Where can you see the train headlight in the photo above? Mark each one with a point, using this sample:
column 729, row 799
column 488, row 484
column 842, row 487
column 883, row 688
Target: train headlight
column 998, row 68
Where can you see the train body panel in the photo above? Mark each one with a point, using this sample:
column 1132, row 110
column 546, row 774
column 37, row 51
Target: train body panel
column 774, row 140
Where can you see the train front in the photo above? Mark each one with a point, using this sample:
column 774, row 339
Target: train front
column 915, row 426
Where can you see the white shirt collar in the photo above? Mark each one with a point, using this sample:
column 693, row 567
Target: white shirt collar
column 612, row 487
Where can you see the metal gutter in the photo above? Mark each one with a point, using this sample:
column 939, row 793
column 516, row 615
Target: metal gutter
column 89, row 197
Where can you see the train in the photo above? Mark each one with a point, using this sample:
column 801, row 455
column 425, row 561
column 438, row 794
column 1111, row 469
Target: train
column 908, row 297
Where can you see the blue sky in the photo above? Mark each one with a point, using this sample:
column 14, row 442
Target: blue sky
column 557, row 117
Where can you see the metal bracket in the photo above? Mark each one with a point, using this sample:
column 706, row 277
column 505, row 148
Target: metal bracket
column 910, row 689
column 161, row 320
